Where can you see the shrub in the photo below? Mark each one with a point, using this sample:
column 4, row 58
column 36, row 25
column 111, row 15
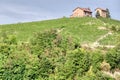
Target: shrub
column 77, row 64
column 97, row 14
column 113, row 57
column 12, row 66
column 7, row 44
column 96, row 60
column 51, row 49
column 42, row 41
column 50, row 43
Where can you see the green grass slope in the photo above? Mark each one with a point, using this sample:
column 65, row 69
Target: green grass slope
column 84, row 30
column 114, row 26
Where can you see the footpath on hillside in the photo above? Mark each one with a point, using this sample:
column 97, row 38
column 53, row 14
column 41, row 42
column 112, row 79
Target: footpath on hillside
column 97, row 44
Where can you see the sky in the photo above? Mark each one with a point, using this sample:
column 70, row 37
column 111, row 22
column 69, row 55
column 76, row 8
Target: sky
column 17, row 11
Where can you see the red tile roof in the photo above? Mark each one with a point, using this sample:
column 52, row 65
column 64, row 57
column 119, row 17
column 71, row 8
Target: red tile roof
column 101, row 9
column 84, row 9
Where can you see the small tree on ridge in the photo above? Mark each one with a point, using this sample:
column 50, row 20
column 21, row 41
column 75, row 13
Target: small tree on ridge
column 108, row 13
column 97, row 14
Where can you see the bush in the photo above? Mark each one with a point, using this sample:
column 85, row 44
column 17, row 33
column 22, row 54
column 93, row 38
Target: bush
column 42, row 41
column 77, row 64
column 97, row 14
column 96, row 60
column 51, row 49
column 7, row 44
column 50, row 43
column 113, row 58
column 12, row 68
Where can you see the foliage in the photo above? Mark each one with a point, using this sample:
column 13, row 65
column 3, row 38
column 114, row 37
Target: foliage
column 97, row 14
column 13, row 69
column 42, row 41
column 108, row 13
column 52, row 47
column 48, row 56
column 96, row 59
column 54, row 54
column 113, row 58
column 77, row 64
column 49, row 42
column 7, row 44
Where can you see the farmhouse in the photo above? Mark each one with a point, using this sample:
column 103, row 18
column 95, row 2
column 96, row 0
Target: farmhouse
column 102, row 12
column 81, row 12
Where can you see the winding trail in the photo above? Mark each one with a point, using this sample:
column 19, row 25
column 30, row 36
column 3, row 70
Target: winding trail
column 97, row 44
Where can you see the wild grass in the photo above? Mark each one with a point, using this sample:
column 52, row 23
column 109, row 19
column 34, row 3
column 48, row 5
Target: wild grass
column 111, row 39
column 84, row 30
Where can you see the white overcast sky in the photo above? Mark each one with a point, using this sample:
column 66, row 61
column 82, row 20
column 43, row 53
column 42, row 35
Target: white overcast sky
column 14, row 11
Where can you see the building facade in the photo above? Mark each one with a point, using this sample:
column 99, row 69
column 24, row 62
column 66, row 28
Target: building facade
column 81, row 12
column 102, row 12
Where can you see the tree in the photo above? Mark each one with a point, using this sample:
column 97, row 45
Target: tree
column 97, row 14
column 108, row 13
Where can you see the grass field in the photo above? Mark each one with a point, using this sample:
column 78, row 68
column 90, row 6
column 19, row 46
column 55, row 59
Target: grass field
column 84, row 30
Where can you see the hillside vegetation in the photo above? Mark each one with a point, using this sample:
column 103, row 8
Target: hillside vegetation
column 83, row 27
column 61, row 49
column 85, row 30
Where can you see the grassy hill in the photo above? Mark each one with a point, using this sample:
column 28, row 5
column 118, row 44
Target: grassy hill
column 84, row 30
column 61, row 49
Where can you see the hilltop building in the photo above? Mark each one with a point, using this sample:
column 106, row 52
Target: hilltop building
column 81, row 12
column 102, row 12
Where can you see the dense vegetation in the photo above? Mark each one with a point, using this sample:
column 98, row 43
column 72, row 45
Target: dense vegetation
column 54, row 55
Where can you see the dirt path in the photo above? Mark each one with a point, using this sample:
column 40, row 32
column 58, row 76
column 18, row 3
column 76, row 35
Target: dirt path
column 97, row 44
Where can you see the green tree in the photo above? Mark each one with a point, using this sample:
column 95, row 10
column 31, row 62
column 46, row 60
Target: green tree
column 108, row 13
column 97, row 14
